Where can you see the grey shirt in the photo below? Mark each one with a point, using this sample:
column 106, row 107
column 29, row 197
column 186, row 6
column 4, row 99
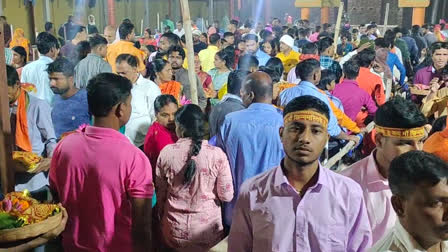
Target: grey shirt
column 181, row 76
column 43, row 141
column 430, row 38
column 88, row 68
column 230, row 103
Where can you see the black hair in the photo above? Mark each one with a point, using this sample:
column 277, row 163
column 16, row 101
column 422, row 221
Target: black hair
column 75, row 29
column 97, row 40
column 405, row 31
column 12, row 76
column 137, row 44
column 381, row 42
column 318, row 28
column 371, row 26
column 366, row 57
column 48, row 26
column 326, row 26
column 45, row 42
column 327, row 76
column 310, row 48
column 274, row 67
column 426, row 26
column 126, row 20
column 235, row 81
column 163, row 100
column 399, row 113
column 82, row 49
column 292, row 32
column 183, row 39
column 355, row 31
column 131, row 60
column 306, row 102
column 265, row 34
column 234, row 22
column 214, row 38
column 303, row 32
column 125, row 29
column 438, row 125
column 148, row 30
column 351, row 69
column 177, row 48
column 246, row 62
column 306, row 68
column 408, row 171
column 155, row 67
column 251, row 37
column 21, row 51
column 347, row 35
column 438, row 45
column 389, row 37
column 192, row 120
column 173, row 39
column 227, row 57
column 228, row 34
column 205, row 35
column 106, row 90
column 272, row 43
column 151, row 48
column 415, row 29
column 324, row 43
column 397, row 30
column 61, row 65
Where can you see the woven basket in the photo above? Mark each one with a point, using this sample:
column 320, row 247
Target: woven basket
column 29, row 231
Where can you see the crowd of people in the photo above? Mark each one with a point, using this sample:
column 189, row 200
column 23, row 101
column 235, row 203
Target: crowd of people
column 137, row 166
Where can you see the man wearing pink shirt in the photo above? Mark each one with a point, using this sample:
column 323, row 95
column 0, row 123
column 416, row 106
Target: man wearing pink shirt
column 353, row 98
column 102, row 179
column 399, row 129
column 300, row 206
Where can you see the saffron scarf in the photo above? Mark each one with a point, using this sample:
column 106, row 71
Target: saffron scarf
column 21, row 134
column 18, row 39
column 173, row 88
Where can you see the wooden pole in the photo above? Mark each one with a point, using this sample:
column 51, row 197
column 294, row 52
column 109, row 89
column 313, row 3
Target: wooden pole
column 190, row 55
column 324, row 15
column 305, row 13
column 337, row 29
column 333, row 160
column 6, row 175
column 386, row 18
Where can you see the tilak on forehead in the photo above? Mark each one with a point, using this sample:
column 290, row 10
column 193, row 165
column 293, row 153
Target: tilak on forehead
column 411, row 133
column 307, row 115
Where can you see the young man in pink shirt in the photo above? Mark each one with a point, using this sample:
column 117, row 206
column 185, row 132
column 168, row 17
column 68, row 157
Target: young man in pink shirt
column 399, row 129
column 102, row 179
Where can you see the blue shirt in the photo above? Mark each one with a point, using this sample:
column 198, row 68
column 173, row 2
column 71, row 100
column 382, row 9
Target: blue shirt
column 393, row 60
column 36, row 73
column 262, row 57
column 69, row 114
column 250, row 138
column 308, row 88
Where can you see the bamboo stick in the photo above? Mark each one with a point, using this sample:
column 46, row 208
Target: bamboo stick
column 337, row 29
column 190, row 55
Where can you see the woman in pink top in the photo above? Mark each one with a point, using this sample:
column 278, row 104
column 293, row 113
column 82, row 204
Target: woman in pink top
column 162, row 132
column 192, row 179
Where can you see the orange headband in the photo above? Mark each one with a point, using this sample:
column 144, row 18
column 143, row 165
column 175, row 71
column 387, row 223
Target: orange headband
column 412, row 133
column 307, row 115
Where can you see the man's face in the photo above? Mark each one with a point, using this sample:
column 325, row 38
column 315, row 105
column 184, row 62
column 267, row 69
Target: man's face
column 275, row 22
column 440, row 58
column 425, row 212
column 391, row 147
column 127, row 71
column 175, row 60
column 109, row 34
column 251, row 46
column 231, row 28
column 164, row 45
column 283, row 47
column 362, row 29
column 59, row 83
column 102, row 50
column 13, row 93
column 166, row 116
column 196, row 38
column 82, row 35
column 303, row 141
column 230, row 39
column 179, row 26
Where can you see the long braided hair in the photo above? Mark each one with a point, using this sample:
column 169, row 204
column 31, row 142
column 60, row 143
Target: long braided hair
column 191, row 121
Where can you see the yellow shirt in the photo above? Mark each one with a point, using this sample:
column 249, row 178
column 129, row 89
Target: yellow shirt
column 185, row 65
column 124, row 47
column 207, row 58
column 289, row 61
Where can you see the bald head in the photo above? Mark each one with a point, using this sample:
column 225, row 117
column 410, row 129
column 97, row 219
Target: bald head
column 109, row 33
column 257, row 89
